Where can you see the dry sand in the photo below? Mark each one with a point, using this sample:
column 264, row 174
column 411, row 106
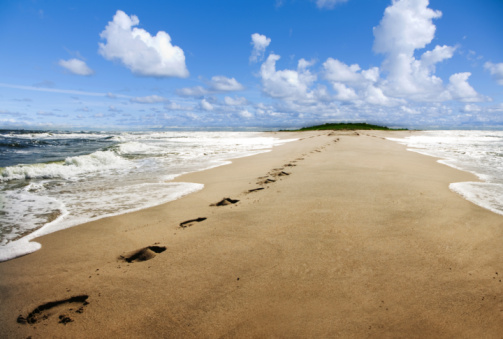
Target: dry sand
column 358, row 238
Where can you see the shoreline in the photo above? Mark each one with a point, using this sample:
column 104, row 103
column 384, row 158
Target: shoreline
column 358, row 237
column 24, row 244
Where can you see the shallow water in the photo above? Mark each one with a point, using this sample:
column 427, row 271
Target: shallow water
column 478, row 152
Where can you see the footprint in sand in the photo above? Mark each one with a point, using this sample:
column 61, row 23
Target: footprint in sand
column 255, row 189
column 191, row 222
column 63, row 309
column 266, row 181
column 142, row 254
column 226, row 202
column 282, row 174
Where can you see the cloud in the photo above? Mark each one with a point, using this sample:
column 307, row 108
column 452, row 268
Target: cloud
column 356, row 85
column 245, row 114
column 112, row 108
column 151, row 99
column 344, row 93
column 259, row 43
column 12, row 113
column 460, row 89
column 235, row 101
column 76, row 66
column 338, row 71
column 139, row 51
column 496, row 71
column 438, row 54
column 61, row 91
column 403, row 89
column 470, row 108
column 24, row 100
column 406, row 26
column 45, row 83
column 205, row 105
column 173, row 106
column 328, row 4
column 286, row 84
column 197, row 91
column 217, row 84
column 51, row 114
column 45, row 113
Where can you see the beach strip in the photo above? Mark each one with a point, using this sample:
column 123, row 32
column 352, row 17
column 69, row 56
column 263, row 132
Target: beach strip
column 338, row 234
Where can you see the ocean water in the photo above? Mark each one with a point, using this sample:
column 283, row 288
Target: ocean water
column 54, row 180
column 478, row 152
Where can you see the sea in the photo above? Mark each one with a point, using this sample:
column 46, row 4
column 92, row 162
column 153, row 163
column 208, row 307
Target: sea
column 52, row 180
column 478, row 152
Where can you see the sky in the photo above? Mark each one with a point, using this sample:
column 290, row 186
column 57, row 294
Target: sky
column 199, row 64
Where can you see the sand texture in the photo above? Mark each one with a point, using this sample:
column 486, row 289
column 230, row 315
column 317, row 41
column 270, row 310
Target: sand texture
column 338, row 234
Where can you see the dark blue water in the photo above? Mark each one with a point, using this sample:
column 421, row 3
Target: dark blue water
column 31, row 147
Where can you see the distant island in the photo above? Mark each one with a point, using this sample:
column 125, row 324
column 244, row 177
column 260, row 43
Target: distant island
column 349, row 126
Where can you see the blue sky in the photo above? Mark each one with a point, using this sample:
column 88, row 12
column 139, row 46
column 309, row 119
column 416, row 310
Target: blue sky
column 277, row 63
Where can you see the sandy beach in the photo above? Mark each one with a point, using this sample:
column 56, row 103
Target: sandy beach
column 338, row 234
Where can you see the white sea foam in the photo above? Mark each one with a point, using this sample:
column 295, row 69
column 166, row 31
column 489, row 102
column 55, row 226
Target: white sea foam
column 478, row 152
column 487, row 195
column 70, row 168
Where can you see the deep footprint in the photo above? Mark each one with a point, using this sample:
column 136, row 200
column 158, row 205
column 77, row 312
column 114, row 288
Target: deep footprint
column 143, row 254
column 191, row 222
column 49, row 309
column 225, row 202
column 282, row 174
column 267, row 181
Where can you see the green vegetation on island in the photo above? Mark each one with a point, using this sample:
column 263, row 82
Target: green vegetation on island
column 350, row 126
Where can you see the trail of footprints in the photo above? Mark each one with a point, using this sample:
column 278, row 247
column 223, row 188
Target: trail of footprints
column 65, row 310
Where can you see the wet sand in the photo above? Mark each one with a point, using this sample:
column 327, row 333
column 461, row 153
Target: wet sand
column 338, row 234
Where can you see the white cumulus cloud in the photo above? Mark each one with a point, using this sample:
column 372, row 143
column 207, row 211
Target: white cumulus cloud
column 245, row 114
column 470, row 108
column 460, row 89
column 220, row 83
column 207, row 106
column 438, row 54
column 354, row 84
column 496, row 71
column 139, row 51
column 338, row 71
column 344, row 93
column 259, row 43
column 286, row 84
column 407, row 26
column 76, row 66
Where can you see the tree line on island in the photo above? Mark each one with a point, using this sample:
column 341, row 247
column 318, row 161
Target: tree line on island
column 348, row 126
